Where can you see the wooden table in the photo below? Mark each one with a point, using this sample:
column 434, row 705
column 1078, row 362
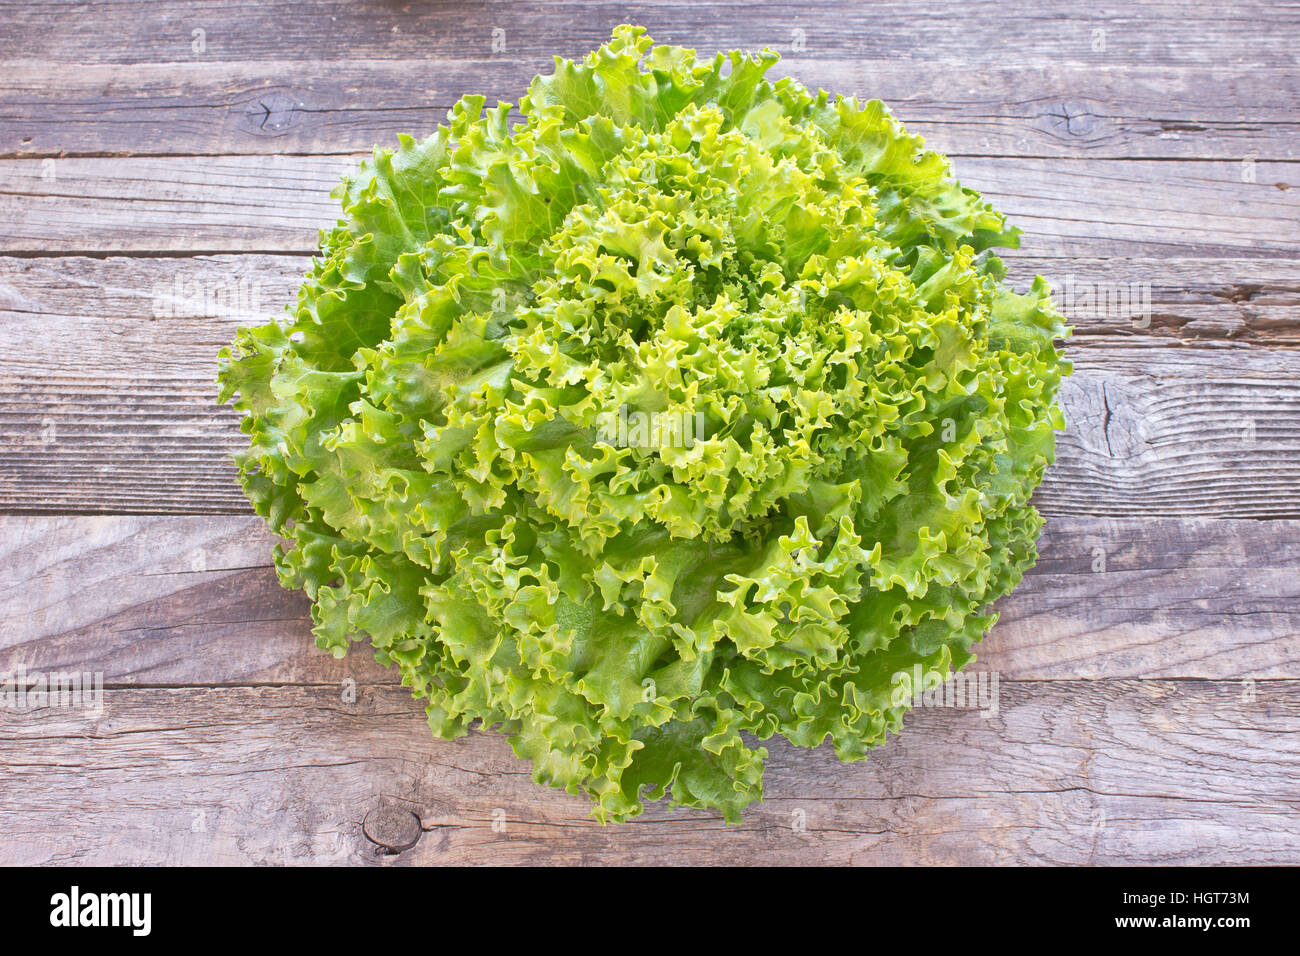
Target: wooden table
column 1149, row 666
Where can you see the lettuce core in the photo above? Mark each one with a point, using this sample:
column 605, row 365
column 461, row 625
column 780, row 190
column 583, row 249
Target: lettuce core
column 857, row 411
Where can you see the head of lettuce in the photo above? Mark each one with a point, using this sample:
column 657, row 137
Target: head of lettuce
column 688, row 411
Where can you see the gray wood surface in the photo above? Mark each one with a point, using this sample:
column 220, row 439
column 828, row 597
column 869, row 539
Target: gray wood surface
column 51, row 307
column 974, row 34
column 1067, row 772
column 1100, row 110
column 110, row 423
column 278, row 203
column 192, row 600
column 1149, row 664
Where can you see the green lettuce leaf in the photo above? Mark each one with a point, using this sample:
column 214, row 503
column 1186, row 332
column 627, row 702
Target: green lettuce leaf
column 858, row 409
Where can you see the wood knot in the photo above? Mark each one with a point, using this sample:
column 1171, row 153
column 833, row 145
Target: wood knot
column 271, row 113
column 392, row 829
column 1074, row 119
column 1105, row 417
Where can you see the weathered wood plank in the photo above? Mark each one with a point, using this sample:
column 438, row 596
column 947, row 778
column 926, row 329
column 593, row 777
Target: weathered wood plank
column 75, row 314
column 194, row 601
column 1152, row 431
column 110, row 409
column 1136, row 598
column 1170, row 300
column 1116, row 111
column 158, row 601
column 233, row 204
column 1164, row 431
column 973, row 32
column 278, row 204
column 1080, row 772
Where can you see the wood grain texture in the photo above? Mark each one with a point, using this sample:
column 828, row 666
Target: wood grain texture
column 1145, row 598
column 1189, row 772
column 148, row 600
column 1160, row 431
column 72, row 313
column 1178, row 431
column 279, row 203
column 182, row 601
column 346, row 106
column 1150, row 663
column 972, row 34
